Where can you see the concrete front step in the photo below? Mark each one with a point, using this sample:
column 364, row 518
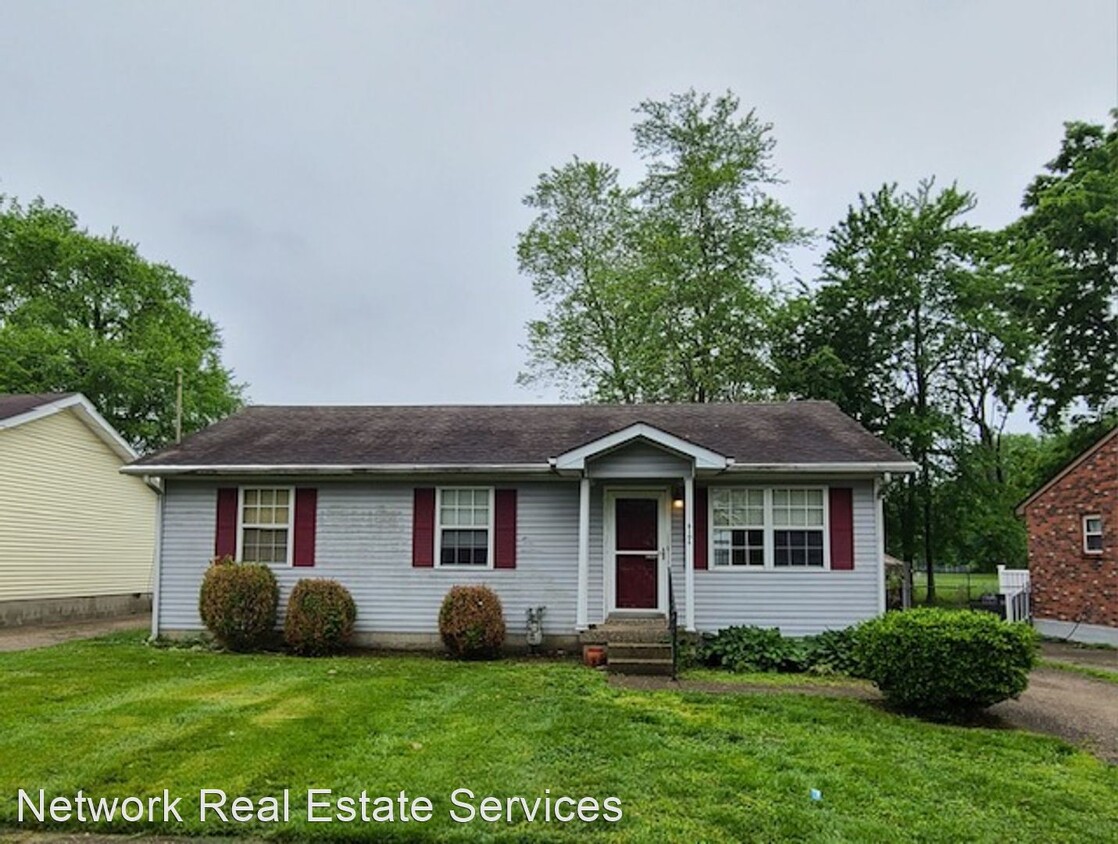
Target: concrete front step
column 628, row 629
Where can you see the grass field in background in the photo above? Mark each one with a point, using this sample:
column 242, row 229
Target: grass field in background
column 954, row 590
column 115, row 717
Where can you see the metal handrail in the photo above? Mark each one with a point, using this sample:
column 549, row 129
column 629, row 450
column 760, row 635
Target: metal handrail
column 673, row 625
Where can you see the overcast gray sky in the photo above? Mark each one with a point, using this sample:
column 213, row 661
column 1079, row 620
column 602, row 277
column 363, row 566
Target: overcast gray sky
column 343, row 180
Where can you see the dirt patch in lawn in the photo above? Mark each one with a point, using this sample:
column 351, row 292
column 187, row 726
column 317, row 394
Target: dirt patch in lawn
column 1105, row 658
column 854, row 690
column 42, row 636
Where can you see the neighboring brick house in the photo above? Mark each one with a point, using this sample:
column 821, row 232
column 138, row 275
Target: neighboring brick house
column 1072, row 524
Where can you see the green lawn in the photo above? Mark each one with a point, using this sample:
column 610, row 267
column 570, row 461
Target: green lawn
column 954, row 590
column 114, row 717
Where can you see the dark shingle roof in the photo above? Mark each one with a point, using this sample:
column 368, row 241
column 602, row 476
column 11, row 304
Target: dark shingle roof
column 463, row 435
column 16, row 404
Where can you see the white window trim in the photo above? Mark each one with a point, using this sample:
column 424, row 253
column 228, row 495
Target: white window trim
column 1086, row 534
column 290, row 490
column 769, row 530
column 439, row 530
column 766, row 540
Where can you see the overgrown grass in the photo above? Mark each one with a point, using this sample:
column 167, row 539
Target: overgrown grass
column 114, row 717
column 953, row 590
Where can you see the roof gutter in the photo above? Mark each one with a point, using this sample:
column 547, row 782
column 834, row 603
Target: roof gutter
column 901, row 468
column 482, row 468
column 336, row 469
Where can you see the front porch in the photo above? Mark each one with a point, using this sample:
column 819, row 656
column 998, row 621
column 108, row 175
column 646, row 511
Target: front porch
column 637, row 499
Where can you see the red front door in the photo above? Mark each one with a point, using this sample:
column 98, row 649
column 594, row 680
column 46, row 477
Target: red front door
column 637, row 526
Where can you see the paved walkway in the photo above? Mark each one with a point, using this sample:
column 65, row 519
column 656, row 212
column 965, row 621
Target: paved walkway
column 30, row 636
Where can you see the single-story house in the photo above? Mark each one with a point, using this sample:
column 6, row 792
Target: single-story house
column 1072, row 524
column 766, row 514
column 77, row 538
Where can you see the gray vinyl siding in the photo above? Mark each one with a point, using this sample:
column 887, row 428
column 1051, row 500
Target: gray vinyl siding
column 800, row 603
column 596, row 606
column 363, row 540
column 639, row 460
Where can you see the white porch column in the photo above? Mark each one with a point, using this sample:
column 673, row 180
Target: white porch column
column 583, row 598
column 689, row 553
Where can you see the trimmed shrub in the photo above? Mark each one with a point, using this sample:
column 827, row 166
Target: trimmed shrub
column 832, row 652
column 751, row 649
column 238, row 603
column 472, row 622
column 946, row 663
column 320, row 617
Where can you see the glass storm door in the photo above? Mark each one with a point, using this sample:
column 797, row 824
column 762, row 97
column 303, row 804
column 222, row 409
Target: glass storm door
column 637, row 553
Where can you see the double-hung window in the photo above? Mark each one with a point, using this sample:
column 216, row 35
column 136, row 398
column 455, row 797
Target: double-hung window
column 738, row 524
column 759, row 528
column 266, row 522
column 798, row 521
column 465, row 529
column 1092, row 534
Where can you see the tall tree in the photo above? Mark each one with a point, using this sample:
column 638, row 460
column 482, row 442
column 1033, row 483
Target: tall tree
column 661, row 292
column 81, row 312
column 1071, row 213
column 579, row 253
column 903, row 333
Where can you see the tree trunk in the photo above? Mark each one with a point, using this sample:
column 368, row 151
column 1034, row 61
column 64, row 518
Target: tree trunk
column 929, row 561
column 908, row 534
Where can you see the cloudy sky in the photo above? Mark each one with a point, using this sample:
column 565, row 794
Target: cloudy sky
column 343, row 180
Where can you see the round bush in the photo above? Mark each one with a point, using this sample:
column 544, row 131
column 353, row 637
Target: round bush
column 238, row 603
column 472, row 623
column 945, row 663
column 320, row 616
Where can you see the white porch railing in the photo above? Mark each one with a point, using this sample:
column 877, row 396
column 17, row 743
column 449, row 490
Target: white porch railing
column 1015, row 586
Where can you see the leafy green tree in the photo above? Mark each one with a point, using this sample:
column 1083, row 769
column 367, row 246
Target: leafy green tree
column 906, row 333
column 81, row 312
column 1072, row 216
column 662, row 291
column 579, row 253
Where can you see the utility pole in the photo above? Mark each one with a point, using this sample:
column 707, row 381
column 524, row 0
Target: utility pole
column 178, row 404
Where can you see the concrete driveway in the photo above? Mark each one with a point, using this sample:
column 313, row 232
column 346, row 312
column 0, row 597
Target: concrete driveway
column 1080, row 709
column 25, row 638
column 1076, row 708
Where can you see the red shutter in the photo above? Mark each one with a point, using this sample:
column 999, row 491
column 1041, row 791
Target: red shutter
column 423, row 528
column 306, row 516
column 699, row 525
column 504, row 529
column 225, row 537
column 842, row 528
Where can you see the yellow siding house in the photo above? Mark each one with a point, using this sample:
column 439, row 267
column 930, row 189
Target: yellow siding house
column 76, row 536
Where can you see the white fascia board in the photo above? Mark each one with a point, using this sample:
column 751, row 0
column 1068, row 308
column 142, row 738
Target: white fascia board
column 576, row 458
column 902, row 468
column 341, row 469
column 86, row 412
